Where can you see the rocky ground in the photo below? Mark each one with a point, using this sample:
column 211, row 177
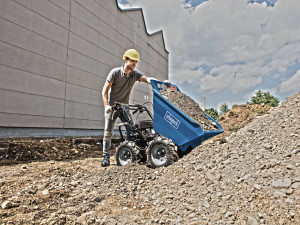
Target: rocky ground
column 251, row 178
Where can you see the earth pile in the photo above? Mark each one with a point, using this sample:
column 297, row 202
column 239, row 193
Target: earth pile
column 238, row 117
column 253, row 178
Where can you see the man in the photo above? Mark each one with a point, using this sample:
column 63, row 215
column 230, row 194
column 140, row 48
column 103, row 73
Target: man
column 117, row 88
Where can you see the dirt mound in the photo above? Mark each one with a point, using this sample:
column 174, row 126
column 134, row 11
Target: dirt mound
column 254, row 178
column 24, row 150
column 239, row 117
column 191, row 108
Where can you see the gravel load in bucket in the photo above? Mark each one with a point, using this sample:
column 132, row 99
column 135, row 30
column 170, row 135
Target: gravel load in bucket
column 190, row 107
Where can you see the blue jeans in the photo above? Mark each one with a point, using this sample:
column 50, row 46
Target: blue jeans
column 110, row 120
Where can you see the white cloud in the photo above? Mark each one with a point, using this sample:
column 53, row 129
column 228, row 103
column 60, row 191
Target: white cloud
column 292, row 84
column 243, row 43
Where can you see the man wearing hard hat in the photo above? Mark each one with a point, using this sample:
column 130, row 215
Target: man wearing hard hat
column 120, row 82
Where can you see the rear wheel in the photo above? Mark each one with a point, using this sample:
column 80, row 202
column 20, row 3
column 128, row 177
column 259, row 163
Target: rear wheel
column 127, row 152
column 161, row 152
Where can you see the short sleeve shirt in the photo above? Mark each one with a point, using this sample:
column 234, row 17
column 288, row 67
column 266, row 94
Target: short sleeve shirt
column 121, row 85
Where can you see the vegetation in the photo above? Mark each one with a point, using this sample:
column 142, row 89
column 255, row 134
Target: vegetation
column 260, row 97
column 224, row 109
column 264, row 98
column 213, row 113
column 235, row 105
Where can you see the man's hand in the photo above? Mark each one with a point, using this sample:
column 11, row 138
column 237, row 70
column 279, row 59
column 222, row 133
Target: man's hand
column 168, row 83
column 108, row 109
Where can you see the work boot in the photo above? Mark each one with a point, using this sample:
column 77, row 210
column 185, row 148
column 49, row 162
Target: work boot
column 105, row 162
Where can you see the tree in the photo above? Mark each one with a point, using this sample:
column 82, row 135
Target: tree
column 213, row 113
column 264, row 98
column 224, row 109
column 234, row 105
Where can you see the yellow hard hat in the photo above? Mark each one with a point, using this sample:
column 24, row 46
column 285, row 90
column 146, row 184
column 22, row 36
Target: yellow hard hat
column 132, row 54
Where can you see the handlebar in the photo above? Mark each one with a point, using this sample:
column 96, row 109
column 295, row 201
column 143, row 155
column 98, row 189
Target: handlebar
column 136, row 108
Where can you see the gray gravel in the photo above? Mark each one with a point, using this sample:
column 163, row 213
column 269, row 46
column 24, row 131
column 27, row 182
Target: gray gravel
column 189, row 107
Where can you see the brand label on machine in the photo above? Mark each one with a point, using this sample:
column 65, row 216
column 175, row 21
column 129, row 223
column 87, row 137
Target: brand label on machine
column 172, row 120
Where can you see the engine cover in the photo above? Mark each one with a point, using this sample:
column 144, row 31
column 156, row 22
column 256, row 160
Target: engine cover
column 145, row 124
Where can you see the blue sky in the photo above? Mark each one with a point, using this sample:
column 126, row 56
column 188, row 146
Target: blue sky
column 226, row 50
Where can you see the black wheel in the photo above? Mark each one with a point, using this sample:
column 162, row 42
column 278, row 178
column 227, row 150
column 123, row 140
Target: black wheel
column 127, row 152
column 161, row 152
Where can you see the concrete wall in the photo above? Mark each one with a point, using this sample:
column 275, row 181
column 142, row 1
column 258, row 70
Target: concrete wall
column 55, row 56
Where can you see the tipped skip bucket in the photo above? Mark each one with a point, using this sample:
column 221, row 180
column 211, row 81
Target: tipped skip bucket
column 174, row 124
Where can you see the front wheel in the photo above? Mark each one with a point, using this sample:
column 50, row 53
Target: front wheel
column 127, row 152
column 161, row 152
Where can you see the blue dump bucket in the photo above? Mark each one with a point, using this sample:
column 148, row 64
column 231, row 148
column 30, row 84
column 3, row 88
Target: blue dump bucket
column 171, row 122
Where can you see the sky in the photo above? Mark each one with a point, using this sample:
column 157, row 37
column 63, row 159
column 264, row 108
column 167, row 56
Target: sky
column 226, row 50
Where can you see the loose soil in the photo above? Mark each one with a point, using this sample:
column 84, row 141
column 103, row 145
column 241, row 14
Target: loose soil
column 20, row 150
column 251, row 178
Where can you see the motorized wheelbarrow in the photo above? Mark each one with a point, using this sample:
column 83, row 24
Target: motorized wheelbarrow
column 165, row 136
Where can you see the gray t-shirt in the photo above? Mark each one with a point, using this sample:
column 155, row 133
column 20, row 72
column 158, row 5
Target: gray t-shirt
column 121, row 85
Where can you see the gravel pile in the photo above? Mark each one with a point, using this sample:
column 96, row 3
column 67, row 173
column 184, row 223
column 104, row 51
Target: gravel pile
column 253, row 178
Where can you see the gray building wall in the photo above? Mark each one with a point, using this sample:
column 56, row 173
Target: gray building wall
column 55, row 56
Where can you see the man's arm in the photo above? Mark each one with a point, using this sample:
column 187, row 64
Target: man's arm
column 105, row 90
column 145, row 79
